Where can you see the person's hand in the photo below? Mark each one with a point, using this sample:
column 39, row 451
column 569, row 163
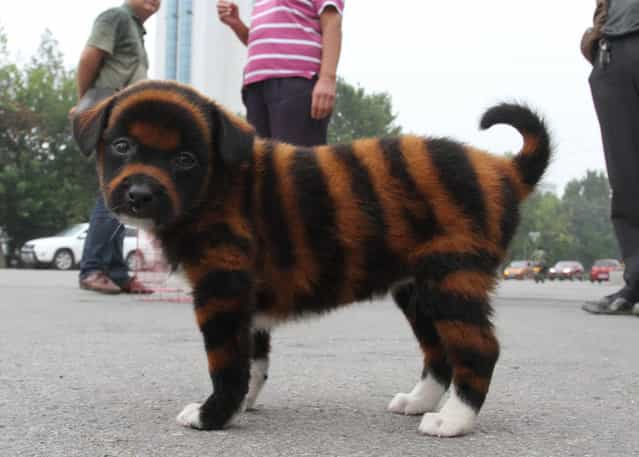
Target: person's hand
column 72, row 112
column 323, row 97
column 228, row 13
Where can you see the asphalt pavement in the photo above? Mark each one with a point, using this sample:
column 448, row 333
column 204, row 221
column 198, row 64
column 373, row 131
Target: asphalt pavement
column 83, row 374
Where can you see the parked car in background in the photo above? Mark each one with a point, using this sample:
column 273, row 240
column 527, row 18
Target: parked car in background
column 519, row 269
column 567, row 269
column 64, row 250
column 601, row 269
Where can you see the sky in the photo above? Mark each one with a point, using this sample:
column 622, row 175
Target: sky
column 442, row 62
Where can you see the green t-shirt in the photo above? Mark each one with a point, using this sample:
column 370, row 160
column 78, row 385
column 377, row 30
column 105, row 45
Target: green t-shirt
column 623, row 17
column 121, row 35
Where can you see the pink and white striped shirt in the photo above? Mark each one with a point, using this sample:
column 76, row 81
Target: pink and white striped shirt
column 285, row 39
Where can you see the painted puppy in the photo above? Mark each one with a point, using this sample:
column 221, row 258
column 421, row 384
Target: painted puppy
column 267, row 232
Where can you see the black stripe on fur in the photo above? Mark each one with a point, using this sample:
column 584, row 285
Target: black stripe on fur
column 230, row 386
column 531, row 166
column 445, row 306
column 222, row 328
column 222, row 235
column 261, row 344
column 407, row 298
column 459, row 178
column 273, row 214
column 379, row 261
column 424, row 226
column 510, row 216
column 437, row 266
column 318, row 216
column 222, row 284
column 482, row 365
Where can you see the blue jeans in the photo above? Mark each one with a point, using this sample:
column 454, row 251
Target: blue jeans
column 103, row 246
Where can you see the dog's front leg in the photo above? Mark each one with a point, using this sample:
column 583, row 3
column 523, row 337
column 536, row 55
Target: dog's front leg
column 221, row 299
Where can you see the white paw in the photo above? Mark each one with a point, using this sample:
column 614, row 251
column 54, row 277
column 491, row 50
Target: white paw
column 436, row 424
column 190, row 416
column 455, row 418
column 406, row 404
column 423, row 398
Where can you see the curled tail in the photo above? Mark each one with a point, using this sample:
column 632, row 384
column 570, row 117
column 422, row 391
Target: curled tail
column 531, row 162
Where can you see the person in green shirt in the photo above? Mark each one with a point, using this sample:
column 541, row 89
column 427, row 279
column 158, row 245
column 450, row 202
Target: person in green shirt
column 113, row 58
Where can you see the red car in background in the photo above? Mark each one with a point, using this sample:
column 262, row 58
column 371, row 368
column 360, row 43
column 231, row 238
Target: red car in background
column 567, row 269
column 601, row 269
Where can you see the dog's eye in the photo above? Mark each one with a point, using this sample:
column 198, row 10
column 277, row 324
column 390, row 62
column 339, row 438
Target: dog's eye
column 185, row 161
column 121, row 147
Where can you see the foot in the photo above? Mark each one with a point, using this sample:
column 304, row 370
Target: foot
column 97, row 281
column 190, row 416
column 456, row 418
column 618, row 303
column 135, row 286
column 423, row 398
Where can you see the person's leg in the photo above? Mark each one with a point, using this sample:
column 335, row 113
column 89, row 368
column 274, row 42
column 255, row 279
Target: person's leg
column 616, row 101
column 289, row 102
column 625, row 212
column 95, row 254
column 256, row 111
column 117, row 268
column 96, row 240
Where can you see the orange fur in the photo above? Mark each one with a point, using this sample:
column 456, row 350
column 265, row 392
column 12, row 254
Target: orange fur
column 463, row 335
column 468, row 284
column 155, row 136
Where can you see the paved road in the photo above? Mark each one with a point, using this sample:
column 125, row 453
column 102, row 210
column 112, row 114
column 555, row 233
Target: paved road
column 88, row 375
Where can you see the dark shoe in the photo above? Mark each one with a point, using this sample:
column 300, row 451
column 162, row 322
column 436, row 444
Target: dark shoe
column 134, row 286
column 99, row 282
column 611, row 304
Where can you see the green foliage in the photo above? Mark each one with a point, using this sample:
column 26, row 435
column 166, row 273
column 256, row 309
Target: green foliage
column 45, row 183
column 575, row 227
column 360, row 115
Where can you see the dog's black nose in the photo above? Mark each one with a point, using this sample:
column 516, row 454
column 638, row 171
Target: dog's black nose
column 139, row 196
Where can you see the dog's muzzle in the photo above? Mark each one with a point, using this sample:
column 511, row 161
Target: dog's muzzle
column 139, row 200
column 141, row 197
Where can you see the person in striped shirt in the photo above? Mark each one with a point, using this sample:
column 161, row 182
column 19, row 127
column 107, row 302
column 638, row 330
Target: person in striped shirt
column 290, row 77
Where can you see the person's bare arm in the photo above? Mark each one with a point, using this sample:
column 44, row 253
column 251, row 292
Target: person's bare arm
column 229, row 14
column 88, row 68
column 87, row 71
column 326, row 86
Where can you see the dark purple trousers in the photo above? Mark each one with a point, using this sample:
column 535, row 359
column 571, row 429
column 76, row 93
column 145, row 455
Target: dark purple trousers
column 281, row 109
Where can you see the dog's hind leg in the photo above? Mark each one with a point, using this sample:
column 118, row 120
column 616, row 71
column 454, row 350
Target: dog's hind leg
column 436, row 374
column 259, row 365
column 460, row 308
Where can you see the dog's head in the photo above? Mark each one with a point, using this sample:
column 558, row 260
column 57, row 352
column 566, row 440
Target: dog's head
column 160, row 146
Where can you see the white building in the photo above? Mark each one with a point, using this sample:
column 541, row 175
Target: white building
column 194, row 47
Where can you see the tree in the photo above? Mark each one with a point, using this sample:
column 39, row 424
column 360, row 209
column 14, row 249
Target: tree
column 542, row 213
column 359, row 115
column 45, row 184
column 587, row 205
column 574, row 227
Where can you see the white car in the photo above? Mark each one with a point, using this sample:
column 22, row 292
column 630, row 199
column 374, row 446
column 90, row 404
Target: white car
column 64, row 250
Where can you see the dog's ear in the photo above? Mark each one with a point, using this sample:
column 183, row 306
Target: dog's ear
column 232, row 138
column 89, row 121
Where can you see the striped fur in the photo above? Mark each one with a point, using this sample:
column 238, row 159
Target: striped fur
column 267, row 232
